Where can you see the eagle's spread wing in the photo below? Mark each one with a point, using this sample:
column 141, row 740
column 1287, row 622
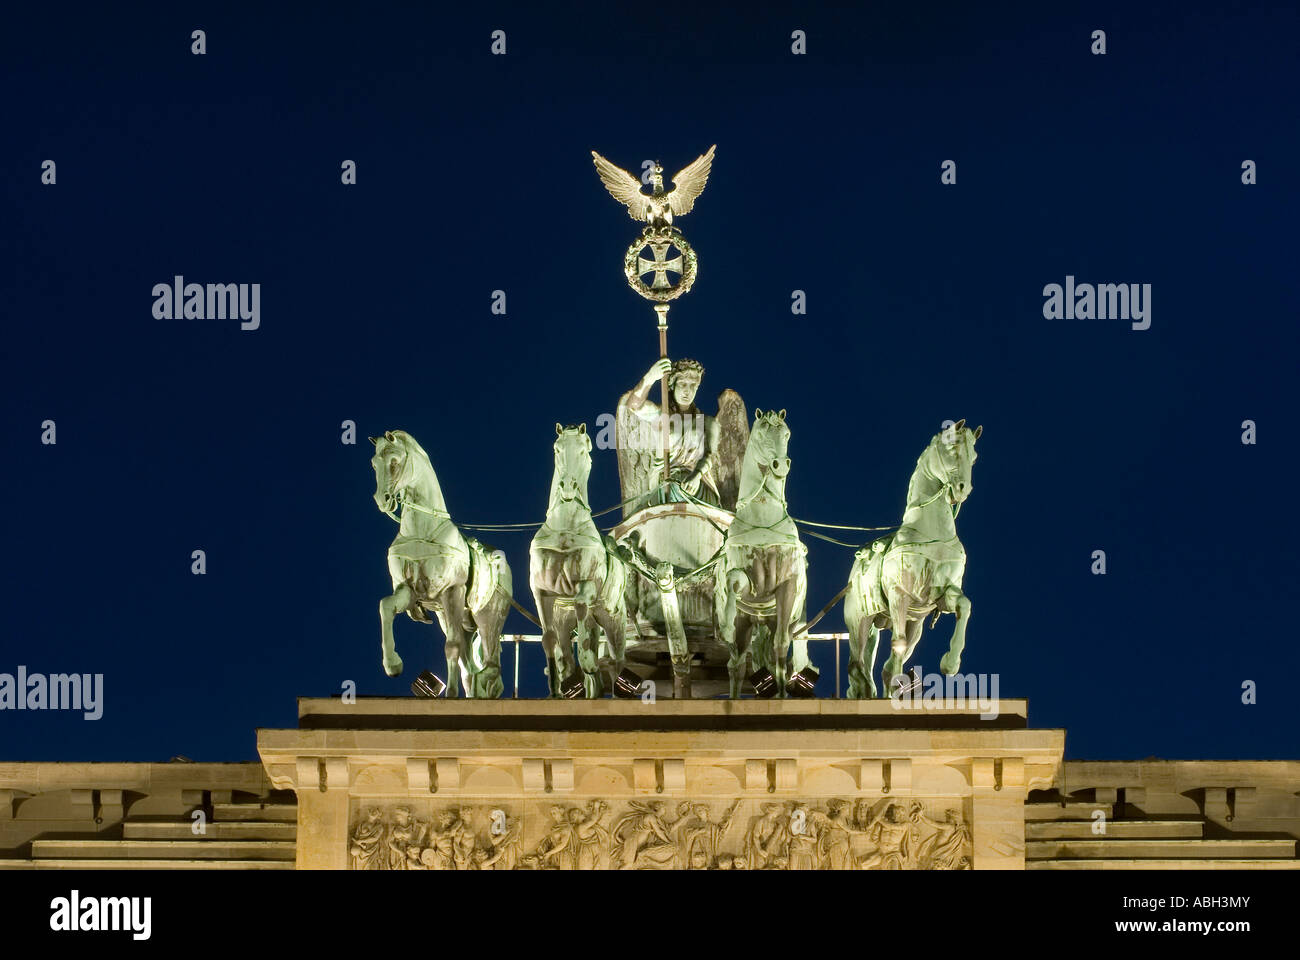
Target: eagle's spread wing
column 622, row 186
column 689, row 183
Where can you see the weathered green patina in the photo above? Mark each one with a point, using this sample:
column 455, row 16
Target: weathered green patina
column 917, row 571
column 761, row 584
column 576, row 575
column 467, row 585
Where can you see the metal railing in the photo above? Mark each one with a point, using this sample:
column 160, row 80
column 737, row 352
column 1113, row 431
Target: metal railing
column 518, row 638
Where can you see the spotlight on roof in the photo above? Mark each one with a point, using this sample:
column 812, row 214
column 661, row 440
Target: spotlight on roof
column 427, row 684
column 763, row 682
column 802, row 683
column 572, row 688
column 627, row 684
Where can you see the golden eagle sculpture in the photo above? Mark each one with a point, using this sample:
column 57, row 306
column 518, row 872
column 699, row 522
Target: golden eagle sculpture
column 659, row 206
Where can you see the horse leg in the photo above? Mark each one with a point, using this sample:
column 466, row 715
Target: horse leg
column 873, row 642
column 724, row 611
column 787, row 593
column 489, row 621
column 897, row 600
column 954, row 601
column 453, row 603
column 588, row 647
column 389, row 607
column 587, row 642
column 738, row 662
column 546, row 613
column 611, row 621
column 863, row 636
column 913, row 636
column 583, row 598
column 563, row 622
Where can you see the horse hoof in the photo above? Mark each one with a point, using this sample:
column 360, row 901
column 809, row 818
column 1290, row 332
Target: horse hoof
column 393, row 667
column 948, row 664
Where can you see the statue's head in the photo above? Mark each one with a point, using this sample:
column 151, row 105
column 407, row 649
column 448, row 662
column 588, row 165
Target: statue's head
column 955, row 449
column 572, row 461
column 557, row 814
column 684, row 382
column 768, row 441
column 575, row 816
column 402, row 815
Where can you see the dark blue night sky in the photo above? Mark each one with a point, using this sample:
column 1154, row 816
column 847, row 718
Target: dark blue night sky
column 925, row 302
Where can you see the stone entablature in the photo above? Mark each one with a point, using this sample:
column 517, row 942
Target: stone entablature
column 867, row 784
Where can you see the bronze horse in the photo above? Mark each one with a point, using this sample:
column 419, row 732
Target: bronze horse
column 899, row 580
column 577, row 578
column 467, row 585
column 761, row 585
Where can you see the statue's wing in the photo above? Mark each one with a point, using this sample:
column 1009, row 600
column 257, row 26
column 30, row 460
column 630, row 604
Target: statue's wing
column 636, row 471
column 733, row 438
column 622, row 186
column 689, row 183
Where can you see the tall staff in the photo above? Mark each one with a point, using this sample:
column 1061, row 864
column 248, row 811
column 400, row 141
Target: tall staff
column 664, row 396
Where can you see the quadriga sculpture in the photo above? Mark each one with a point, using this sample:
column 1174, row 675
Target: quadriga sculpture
column 761, row 582
column 899, row 580
column 466, row 584
column 575, row 574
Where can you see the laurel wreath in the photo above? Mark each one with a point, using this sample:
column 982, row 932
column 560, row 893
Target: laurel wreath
column 689, row 264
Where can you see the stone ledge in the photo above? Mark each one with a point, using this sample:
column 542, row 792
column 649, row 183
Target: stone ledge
column 612, row 716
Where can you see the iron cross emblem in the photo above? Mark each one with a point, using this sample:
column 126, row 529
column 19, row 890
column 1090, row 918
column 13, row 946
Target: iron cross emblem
column 659, row 266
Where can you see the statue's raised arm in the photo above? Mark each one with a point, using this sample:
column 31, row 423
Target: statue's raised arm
column 704, row 452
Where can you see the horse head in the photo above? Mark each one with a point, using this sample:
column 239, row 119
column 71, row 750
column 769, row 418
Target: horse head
column 952, row 456
column 572, row 464
column 401, row 465
column 765, row 456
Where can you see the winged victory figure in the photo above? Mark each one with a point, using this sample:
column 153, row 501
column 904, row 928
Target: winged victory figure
column 659, row 206
column 705, row 454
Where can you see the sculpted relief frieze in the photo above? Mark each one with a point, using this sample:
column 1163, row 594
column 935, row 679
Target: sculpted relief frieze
column 660, row 834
